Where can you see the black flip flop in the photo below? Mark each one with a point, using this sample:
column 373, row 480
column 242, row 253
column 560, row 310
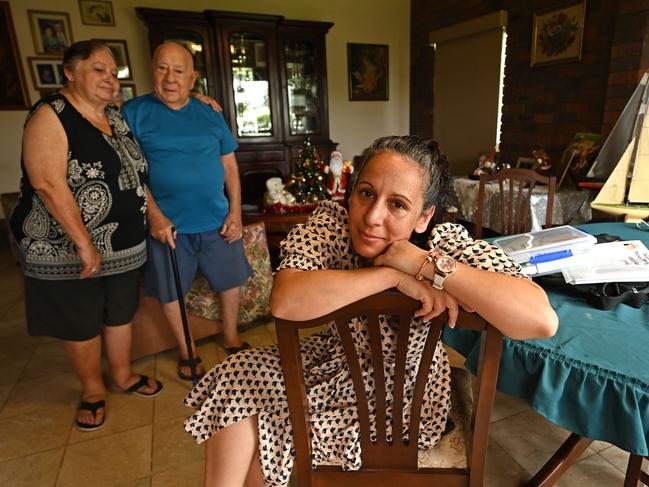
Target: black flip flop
column 92, row 407
column 144, row 381
column 231, row 350
column 183, row 362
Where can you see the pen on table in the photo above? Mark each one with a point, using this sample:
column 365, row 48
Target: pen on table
column 550, row 256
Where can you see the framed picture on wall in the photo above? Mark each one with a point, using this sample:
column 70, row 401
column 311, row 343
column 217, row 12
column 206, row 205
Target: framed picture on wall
column 50, row 31
column 557, row 34
column 97, row 12
column 120, row 53
column 368, row 71
column 13, row 89
column 126, row 92
column 47, row 72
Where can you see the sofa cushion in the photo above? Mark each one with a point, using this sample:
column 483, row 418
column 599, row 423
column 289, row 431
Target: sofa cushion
column 255, row 292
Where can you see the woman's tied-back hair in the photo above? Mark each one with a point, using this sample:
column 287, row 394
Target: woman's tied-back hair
column 80, row 51
column 431, row 160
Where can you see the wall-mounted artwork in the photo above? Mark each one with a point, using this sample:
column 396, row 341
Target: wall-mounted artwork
column 97, row 12
column 557, row 34
column 120, row 53
column 126, row 92
column 51, row 31
column 13, row 90
column 368, row 71
column 47, row 72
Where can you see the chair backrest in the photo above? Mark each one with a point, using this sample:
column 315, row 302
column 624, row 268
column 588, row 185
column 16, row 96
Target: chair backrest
column 388, row 463
column 635, row 475
column 516, row 186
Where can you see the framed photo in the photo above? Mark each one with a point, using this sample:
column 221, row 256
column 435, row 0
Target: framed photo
column 368, row 71
column 47, row 72
column 97, row 12
column 526, row 163
column 580, row 154
column 13, row 89
column 557, row 35
column 120, row 53
column 126, row 92
column 51, row 31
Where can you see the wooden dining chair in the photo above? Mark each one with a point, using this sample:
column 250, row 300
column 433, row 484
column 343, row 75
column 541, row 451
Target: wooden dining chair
column 516, row 186
column 635, row 475
column 458, row 460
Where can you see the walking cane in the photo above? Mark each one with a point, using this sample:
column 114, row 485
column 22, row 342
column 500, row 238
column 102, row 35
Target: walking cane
column 183, row 314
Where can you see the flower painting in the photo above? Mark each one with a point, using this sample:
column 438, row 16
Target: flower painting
column 557, row 35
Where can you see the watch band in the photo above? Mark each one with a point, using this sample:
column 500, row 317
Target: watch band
column 438, row 281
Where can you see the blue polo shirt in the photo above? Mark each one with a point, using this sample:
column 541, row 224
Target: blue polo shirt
column 184, row 149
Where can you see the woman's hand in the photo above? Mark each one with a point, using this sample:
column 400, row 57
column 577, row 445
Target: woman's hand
column 403, row 256
column 208, row 100
column 90, row 259
column 433, row 301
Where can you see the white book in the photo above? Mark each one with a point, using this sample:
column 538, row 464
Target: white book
column 623, row 261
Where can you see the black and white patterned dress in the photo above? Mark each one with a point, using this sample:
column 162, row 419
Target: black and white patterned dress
column 251, row 381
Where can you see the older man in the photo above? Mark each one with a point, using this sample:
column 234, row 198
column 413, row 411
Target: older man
column 190, row 150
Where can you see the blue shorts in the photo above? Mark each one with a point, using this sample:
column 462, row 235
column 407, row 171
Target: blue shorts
column 223, row 264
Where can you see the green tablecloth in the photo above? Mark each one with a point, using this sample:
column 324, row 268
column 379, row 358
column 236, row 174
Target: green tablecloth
column 592, row 377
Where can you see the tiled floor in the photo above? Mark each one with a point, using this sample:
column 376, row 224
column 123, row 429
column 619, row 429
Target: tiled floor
column 143, row 444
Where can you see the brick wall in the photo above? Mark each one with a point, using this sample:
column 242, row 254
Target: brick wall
column 543, row 105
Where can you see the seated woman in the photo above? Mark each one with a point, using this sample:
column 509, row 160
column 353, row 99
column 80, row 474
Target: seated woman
column 337, row 257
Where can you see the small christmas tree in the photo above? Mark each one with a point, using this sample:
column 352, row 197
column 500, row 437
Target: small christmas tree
column 307, row 182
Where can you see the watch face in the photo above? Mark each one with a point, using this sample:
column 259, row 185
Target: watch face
column 445, row 264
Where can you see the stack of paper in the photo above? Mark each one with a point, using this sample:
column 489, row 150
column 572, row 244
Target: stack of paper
column 624, row 261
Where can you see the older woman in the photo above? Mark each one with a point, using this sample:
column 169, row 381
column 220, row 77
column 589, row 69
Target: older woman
column 80, row 226
column 337, row 257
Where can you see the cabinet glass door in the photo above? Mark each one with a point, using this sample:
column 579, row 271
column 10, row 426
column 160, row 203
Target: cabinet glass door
column 251, row 85
column 194, row 44
column 303, row 86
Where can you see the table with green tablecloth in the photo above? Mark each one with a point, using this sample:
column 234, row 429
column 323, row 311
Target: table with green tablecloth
column 592, row 377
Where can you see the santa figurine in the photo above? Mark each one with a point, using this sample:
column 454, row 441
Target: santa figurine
column 338, row 171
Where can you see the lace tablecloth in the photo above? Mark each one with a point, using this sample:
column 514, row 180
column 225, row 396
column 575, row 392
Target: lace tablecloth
column 571, row 206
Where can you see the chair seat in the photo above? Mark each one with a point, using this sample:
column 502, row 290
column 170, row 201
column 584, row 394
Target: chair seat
column 451, row 451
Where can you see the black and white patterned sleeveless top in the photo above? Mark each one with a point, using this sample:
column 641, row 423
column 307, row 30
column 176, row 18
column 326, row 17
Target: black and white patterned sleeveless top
column 107, row 176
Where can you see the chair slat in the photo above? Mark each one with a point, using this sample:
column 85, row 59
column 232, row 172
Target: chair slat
column 357, row 379
column 434, row 331
column 403, row 335
column 374, row 328
column 515, row 189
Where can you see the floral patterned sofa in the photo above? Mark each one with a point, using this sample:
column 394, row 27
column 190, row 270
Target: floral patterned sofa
column 151, row 334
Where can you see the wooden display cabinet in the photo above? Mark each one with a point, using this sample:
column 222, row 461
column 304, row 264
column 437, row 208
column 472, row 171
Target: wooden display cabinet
column 270, row 76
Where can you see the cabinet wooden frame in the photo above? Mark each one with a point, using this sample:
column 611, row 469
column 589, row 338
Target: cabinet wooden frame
column 16, row 97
